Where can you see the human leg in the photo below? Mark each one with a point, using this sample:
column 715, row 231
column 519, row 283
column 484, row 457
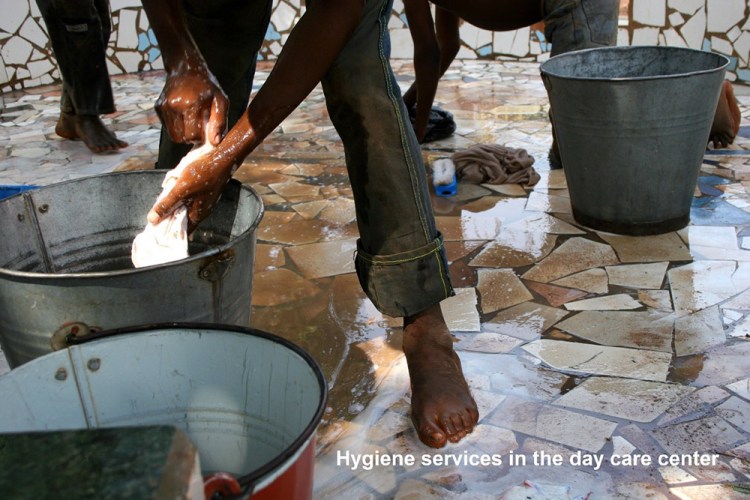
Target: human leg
column 79, row 31
column 229, row 35
column 575, row 25
column 400, row 258
column 726, row 122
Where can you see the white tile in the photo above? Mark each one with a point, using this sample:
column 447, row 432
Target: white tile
column 644, row 330
column 473, row 36
column 16, row 50
column 14, row 14
column 602, row 360
column 650, row 12
column 32, row 32
column 129, row 60
column 330, row 258
column 636, row 400
column 402, row 45
column 617, row 302
column 723, row 14
column 688, row 7
column 593, row 281
column 673, row 38
column 283, row 17
column 554, row 424
column 499, row 289
column 698, row 332
column 460, row 311
column 676, row 19
column 721, row 46
column 741, row 388
column 127, row 36
column 573, row 256
column 694, row 30
column 122, row 4
column 705, row 283
column 638, row 275
column 742, row 45
column 40, row 68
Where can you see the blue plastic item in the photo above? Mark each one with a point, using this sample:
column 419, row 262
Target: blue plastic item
column 447, row 189
column 7, row 191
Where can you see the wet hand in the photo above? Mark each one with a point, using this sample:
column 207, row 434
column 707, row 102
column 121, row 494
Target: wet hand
column 193, row 106
column 198, row 188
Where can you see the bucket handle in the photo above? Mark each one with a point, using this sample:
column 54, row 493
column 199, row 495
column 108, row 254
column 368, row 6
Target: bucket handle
column 224, row 486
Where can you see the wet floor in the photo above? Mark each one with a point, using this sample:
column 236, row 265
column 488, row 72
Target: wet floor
column 604, row 366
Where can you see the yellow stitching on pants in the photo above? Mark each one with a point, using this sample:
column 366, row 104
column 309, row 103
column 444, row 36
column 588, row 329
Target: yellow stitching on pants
column 401, row 261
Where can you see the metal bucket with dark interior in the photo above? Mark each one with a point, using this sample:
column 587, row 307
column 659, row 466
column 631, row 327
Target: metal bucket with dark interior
column 632, row 125
column 249, row 401
column 65, row 265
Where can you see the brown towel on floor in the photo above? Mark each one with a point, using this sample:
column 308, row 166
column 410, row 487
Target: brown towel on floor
column 494, row 164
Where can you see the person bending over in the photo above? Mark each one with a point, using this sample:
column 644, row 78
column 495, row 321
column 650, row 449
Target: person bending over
column 400, row 258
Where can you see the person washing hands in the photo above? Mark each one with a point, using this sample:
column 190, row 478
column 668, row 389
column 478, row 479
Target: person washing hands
column 400, row 258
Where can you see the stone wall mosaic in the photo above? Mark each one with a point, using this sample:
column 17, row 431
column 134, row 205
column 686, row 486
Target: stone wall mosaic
column 721, row 26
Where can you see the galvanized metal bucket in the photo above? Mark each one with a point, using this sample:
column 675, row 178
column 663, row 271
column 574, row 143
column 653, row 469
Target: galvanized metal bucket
column 632, row 124
column 250, row 401
column 65, row 264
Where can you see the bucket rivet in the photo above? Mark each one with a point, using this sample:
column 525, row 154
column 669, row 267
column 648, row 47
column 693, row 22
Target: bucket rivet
column 94, row 364
column 20, row 217
column 43, row 209
column 61, row 374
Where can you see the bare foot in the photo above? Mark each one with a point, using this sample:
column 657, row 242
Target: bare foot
column 91, row 130
column 442, row 408
column 726, row 123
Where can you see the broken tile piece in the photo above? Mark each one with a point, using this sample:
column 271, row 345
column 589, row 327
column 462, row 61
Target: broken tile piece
column 741, row 388
column 638, row 275
column 460, row 311
column 554, row 424
column 695, row 404
column 592, row 281
column 706, row 435
column 500, row 288
column 697, row 332
column 644, row 330
column 491, row 343
column 330, row 258
column 602, row 360
column 526, row 321
column 575, row 255
column 636, row 400
column 515, row 249
column 658, row 248
column 736, row 411
column 656, row 299
column 555, row 295
column 617, row 302
column 716, row 281
column 280, row 286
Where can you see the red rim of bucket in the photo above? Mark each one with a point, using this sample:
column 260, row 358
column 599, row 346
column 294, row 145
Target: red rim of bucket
column 247, row 481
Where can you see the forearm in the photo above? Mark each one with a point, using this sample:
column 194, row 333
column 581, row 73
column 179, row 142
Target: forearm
column 426, row 61
column 308, row 53
column 178, row 50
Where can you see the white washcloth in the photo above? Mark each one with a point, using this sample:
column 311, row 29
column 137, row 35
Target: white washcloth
column 167, row 241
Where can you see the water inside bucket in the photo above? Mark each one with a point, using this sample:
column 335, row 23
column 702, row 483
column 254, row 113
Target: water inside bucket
column 65, row 258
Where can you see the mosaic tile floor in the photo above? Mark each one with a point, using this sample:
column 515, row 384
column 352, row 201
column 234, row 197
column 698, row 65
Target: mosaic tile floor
column 592, row 356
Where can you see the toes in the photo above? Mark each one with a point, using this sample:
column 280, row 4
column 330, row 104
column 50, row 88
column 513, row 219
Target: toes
column 432, row 436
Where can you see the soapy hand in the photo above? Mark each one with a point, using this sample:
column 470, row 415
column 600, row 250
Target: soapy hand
column 198, row 188
column 190, row 102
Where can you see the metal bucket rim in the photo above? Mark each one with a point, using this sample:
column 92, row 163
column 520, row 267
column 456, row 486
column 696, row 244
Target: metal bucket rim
column 124, row 272
column 632, row 48
column 250, row 480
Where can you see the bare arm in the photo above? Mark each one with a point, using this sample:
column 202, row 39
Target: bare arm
column 309, row 51
column 192, row 105
column 426, row 62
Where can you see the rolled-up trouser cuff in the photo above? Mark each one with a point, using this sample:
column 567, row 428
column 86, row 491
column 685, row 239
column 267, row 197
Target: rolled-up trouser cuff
column 406, row 283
